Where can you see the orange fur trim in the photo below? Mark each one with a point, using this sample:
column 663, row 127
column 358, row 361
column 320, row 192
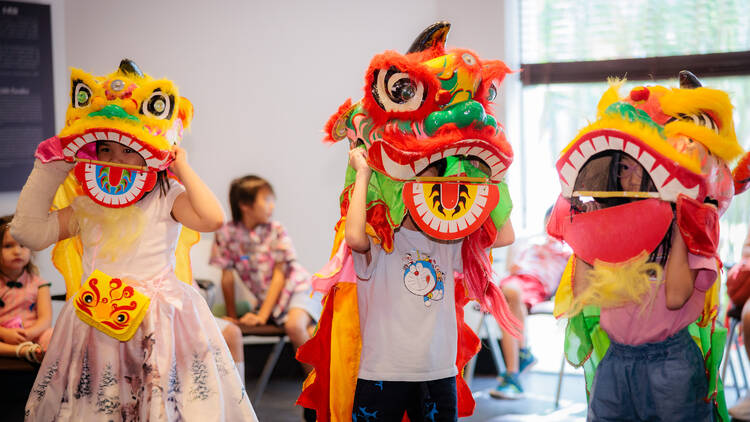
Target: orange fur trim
column 343, row 108
column 416, row 71
column 445, row 136
column 493, row 73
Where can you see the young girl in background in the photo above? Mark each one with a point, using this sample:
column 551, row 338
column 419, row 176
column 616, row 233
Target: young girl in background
column 25, row 303
column 261, row 253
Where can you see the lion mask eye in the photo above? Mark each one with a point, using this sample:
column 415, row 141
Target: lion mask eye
column 158, row 105
column 395, row 91
column 81, row 95
column 700, row 119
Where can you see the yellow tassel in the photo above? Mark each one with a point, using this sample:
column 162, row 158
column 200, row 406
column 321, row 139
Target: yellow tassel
column 611, row 96
column 614, row 285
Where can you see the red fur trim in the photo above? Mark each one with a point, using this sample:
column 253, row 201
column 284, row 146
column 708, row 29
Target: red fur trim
column 429, row 54
column 378, row 216
column 478, row 278
column 416, row 71
column 468, row 346
column 343, row 108
column 445, row 136
column 741, row 174
column 493, row 73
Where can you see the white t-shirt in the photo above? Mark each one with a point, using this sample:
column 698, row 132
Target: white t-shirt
column 407, row 310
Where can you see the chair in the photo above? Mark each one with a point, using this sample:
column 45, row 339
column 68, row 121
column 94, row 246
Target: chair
column 543, row 308
column 265, row 334
column 734, row 315
column 546, row 308
column 262, row 334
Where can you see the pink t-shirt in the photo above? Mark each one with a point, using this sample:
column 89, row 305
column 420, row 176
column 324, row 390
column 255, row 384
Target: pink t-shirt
column 18, row 299
column 628, row 325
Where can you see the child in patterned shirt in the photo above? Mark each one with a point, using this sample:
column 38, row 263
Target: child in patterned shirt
column 260, row 253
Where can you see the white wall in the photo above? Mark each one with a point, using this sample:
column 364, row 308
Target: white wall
column 264, row 77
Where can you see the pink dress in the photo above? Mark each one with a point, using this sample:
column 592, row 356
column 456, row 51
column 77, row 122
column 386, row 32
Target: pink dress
column 176, row 367
column 18, row 304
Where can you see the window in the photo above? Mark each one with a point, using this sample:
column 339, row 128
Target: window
column 569, row 48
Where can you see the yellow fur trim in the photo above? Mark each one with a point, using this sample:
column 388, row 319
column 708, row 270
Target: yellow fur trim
column 693, row 101
column 611, row 95
column 615, row 285
column 719, row 145
column 78, row 119
column 645, row 133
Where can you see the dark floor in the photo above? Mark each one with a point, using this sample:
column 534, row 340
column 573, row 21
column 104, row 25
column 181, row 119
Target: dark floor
column 538, row 405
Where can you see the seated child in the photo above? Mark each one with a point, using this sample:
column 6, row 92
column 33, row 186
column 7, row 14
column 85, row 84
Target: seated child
column 261, row 253
column 25, row 303
column 535, row 271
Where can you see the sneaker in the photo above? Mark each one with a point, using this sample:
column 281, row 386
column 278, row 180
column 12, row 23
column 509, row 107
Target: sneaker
column 509, row 388
column 741, row 409
column 525, row 360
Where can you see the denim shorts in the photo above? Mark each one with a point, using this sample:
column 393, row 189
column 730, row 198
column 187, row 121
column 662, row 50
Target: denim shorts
column 663, row 381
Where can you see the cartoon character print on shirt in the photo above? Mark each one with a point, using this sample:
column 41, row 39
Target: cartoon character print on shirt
column 422, row 276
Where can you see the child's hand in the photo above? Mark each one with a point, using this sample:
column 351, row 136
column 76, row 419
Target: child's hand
column 179, row 160
column 251, row 320
column 358, row 161
column 230, row 319
column 13, row 335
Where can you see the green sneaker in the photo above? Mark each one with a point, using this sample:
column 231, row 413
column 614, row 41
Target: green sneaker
column 525, row 360
column 509, row 388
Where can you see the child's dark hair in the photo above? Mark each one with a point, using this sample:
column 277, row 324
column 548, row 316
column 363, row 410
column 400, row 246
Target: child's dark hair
column 4, row 227
column 244, row 190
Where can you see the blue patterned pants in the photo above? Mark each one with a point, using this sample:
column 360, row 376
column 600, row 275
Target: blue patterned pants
column 388, row 400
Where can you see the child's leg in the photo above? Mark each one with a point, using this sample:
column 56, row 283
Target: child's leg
column 44, row 338
column 20, row 351
column 296, row 327
column 438, row 401
column 233, row 338
column 509, row 344
column 383, row 400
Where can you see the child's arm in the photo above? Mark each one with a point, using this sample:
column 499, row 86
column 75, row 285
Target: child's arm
column 33, row 225
column 355, row 226
column 43, row 313
column 272, row 296
column 505, row 236
column 196, row 208
column 679, row 277
column 227, row 288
